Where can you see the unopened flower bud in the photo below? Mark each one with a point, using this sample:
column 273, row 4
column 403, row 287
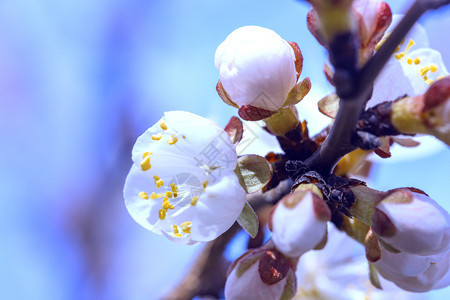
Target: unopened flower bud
column 258, row 69
column 428, row 113
column 413, row 272
column 373, row 18
column 299, row 222
column 412, row 222
column 262, row 273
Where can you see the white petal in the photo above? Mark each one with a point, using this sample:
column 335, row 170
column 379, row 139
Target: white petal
column 403, row 263
column 145, row 212
column 249, row 286
column 204, row 139
column 218, row 207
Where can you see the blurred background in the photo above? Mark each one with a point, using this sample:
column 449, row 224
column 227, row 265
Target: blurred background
column 79, row 82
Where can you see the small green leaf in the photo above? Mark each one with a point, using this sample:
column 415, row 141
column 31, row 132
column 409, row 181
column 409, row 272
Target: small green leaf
column 329, row 105
column 373, row 275
column 248, row 220
column 253, row 171
column 298, row 92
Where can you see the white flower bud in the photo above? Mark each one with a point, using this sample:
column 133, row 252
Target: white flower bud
column 299, row 223
column 412, row 222
column 257, row 68
column 413, row 272
column 261, row 274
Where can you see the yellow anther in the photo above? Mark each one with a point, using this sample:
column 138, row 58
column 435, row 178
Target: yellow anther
column 172, row 140
column 399, row 55
column 154, row 196
column 433, row 68
column 172, row 185
column 409, row 61
column 162, row 214
column 425, row 77
column 163, row 125
column 145, row 164
column 397, row 49
column 194, row 200
column 175, row 229
column 424, row 71
column 430, row 81
column 205, row 184
column 186, row 227
column 156, row 177
column 146, row 154
column 157, row 137
column 159, row 183
column 143, row 195
column 169, row 194
column 417, row 61
column 440, row 77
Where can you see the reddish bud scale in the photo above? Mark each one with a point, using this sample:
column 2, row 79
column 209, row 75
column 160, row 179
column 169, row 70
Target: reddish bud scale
column 438, row 93
column 273, row 266
column 252, row 113
column 298, row 58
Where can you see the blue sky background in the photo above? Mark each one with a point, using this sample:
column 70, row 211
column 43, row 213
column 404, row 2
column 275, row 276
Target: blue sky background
column 79, row 82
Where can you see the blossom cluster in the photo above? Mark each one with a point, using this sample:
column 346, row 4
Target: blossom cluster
column 188, row 183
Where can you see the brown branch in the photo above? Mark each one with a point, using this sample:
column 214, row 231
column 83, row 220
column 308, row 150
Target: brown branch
column 207, row 275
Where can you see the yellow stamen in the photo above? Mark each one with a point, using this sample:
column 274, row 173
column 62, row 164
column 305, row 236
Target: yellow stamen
column 175, row 229
column 163, row 125
column 409, row 61
column 440, row 77
column 205, row 184
column 399, row 55
column 146, row 154
column 156, row 177
column 425, row 77
column 433, row 68
column 397, row 49
column 430, row 81
column 410, row 44
column 417, row 60
column 172, row 140
column 154, row 196
column 157, row 137
column 186, row 227
column 424, row 71
column 162, row 214
column 166, row 204
column 159, row 183
column 169, row 194
column 194, row 200
column 145, row 164
column 143, row 195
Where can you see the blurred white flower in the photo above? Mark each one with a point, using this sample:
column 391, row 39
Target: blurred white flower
column 257, row 68
column 340, row 272
column 299, row 223
column 412, row 222
column 413, row 272
column 411, row 70
column 182, row 182
column 261, row 273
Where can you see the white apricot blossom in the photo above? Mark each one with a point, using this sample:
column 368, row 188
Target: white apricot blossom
column 413, row 223
column 257, row 68
column 411, row 70
column 299, row 223
column 182, row 182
